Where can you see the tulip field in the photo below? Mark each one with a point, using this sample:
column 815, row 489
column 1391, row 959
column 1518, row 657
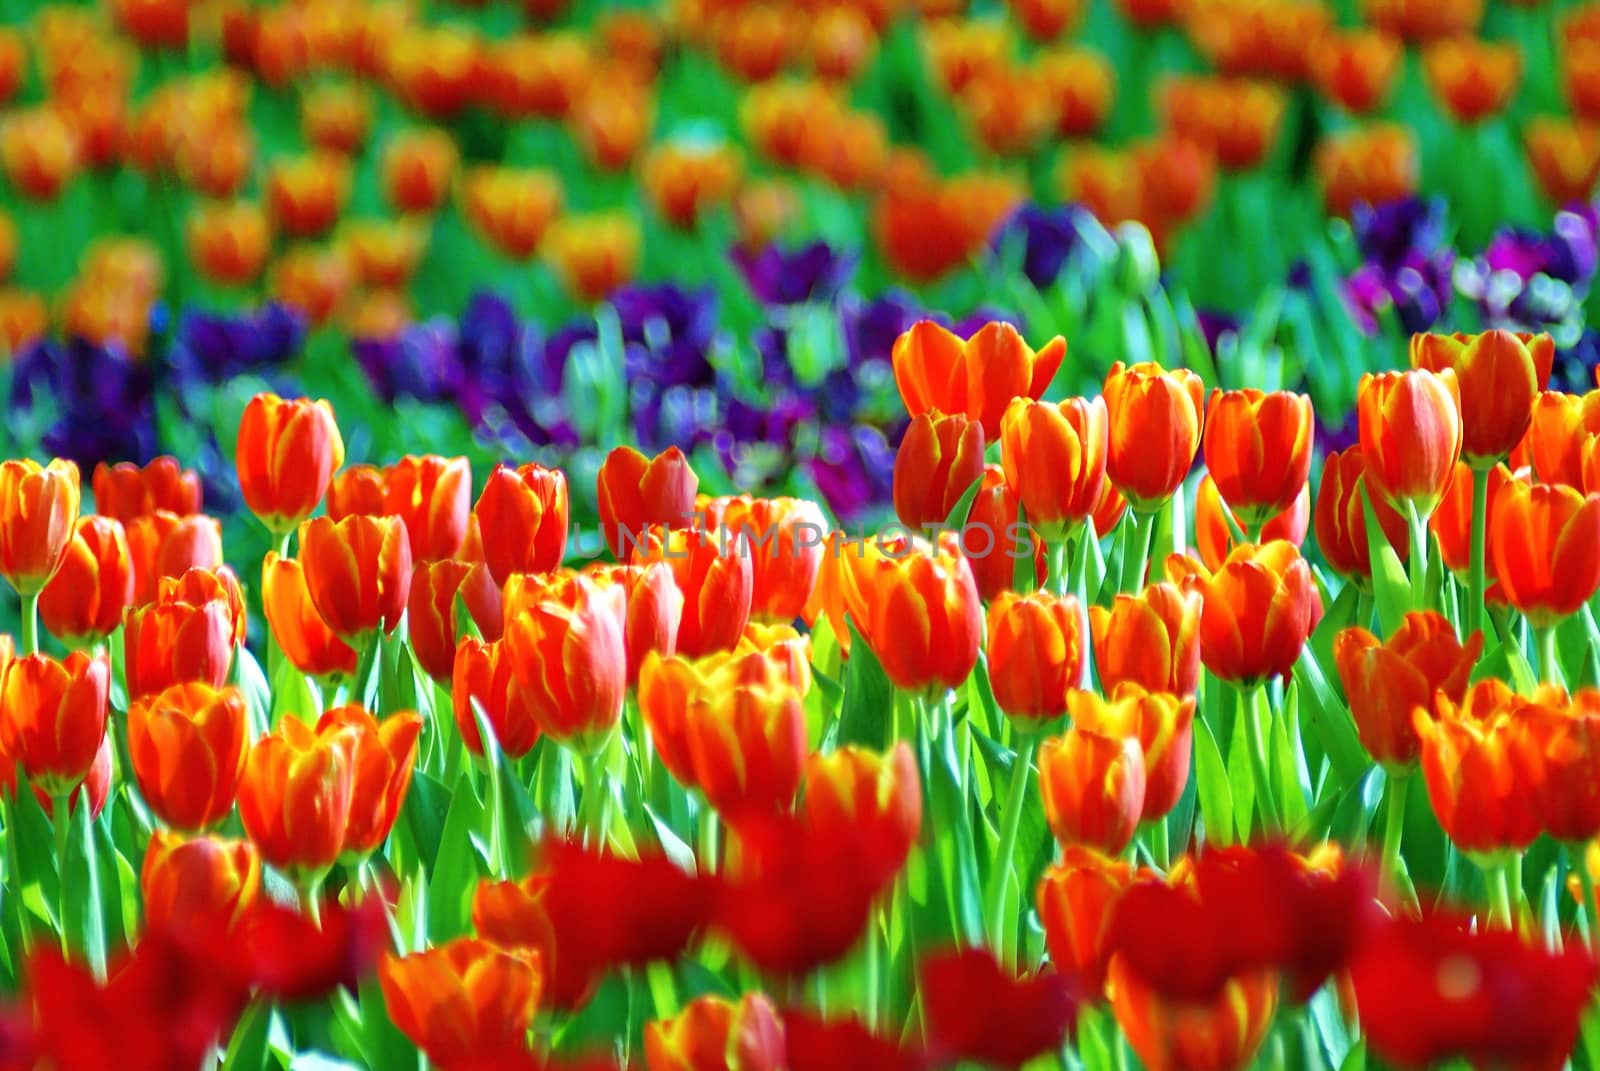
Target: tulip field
column 799, row 535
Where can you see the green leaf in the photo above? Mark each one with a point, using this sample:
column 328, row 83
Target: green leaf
column 1241, row 775
column 247, row 1048
column 1389, row 584
column 455, row 869
column 1286, row 771
column 1330, row 721
column 958, row 514
column 292, row 695
column 252, row 682
column 397, row 688
column 1211, row 786
column 84, row 921
column 865, row 714
column 671, row 844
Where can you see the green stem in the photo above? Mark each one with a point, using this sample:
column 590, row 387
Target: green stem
column 873, row 973
column 311, row 900
column 1177, row 523
column 708, row 840
column 61, row 818
column 1160, row 844
column 30, row 624
column 1258, row 761
column 1476, row 578
column 1058, row 554
column 1549, row 661
column 1419, row 557
column 596, row 797
column 1394, row 825
column 1139, row 541
column 1591, row 906
column 1010, row 823
column 1499, row 883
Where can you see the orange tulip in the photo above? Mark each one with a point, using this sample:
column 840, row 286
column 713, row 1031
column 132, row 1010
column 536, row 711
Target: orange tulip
column 38, row 515
column 197, row 586
column 1081, row 84
column 685, row 182
column 712, row 1033
column 785, row 536
column 1155, row 419
column 1425, row 20
column 1546, row 548
column 417, row 167
column 1222, row 1034
column 522, row 518
column 287, row 454
column 39, row 151
column 638, row 493
column 312, row 280
column 162, row 545
column 1468, row 763
column 381, row 755
column 568, row 657
column 938, row 459
column 462, row 1001
column 841, row 43
column 358, row 572
column 1258, row 450
column 747, row 746
column 1560, row 757
column 126, row 491
column 358, row 490
column 653, row 609
column 1560, row 426
column 978, row 377
column 433, row 495
column 1452, row 520
column 482, row 678
column 539, row 75
column 1009, row 110
column 992, row 540
column 1054, row 457
column 1093, row 787
column 228, row 242
column 593, row 255
column 1370, row 164
column 1472, row 79
column 1213, row 534
column 1341, row 521
column 511, row 208
column 1258, row 610
column 336, row 118
column 384, row 253
column 1564, row 156
column 717, row 578
column 1385, row 681
column 83, row 602
column 171, row 642
column 1163, row 725
column 850, row 790
column 1075, row 899
column 307, row 194
column 13, row 64
column 295, row 797
column 889, row 582
column 1035, row 653
column 1497, row 374
column 1235, row 118
column 53, row 717
column 205, row 878
column 1151, row 639
column 305, row 639
column 431, row 611
column 1356, row 69
column 187, row 747
column 23, row 319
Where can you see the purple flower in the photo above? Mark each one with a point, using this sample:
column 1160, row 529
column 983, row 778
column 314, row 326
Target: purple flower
column 871, row 327
column 982, row 316
column 421, row 362
column 668, row 333
column 1390, row 233
column 1419, row 290
column 1047, row 236
column 1575, row 364
column 211, row 348
column 812, row 272
column 854, row 470
column 675, row 416
column 1213, row 325
column 102, row 401
column 1529, row 279
column 1329, row 438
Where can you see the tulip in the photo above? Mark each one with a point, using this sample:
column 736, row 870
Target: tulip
column 1163, row 725
column 167, row 643
column 747, row 748
column 311, row 280
column 187, row 746
column 1371, row 164
column 637, row 493
column 1155, row 419
column 684, row 183
column 305, row 639
column 1220, row 1034
column 1341, row 521
column 200, row 586
column 432, row 614
column 336, row 118
column 977, row 377
column 39, row 152
column 593, row 255
column 1082, row 83
column 1054, row 457
column 1545, row 541
column 522, row 517
column 481, row 679
column 1215, row 524
column 1498, row 375
column 287, row 454
column 653, row 609
column 1356, row 69
column 1036, row 653
column 1564, row 156
column 163, row 545
column 1384, row 682
column 1472, row 79
column 511, row 914
column 717, row 579
column 359, row 490
column 1560, row 761
column 1151, row 639
column 1257, row 613
column 228, row 241
column 83, row 602
column 381, row 756
column 463, row 1001
column 1468, row 751
column 1093, row 787
column 966, row 992
column 993, row 541
column 417, row 167
column 785, row 537
column 38, row 515
column 938, row 459
column 511, row 208
column 53, row 717
column 1236, row 118
column 568, row 657
column 851, row 791
column 125, row 491
column 433, row 495
column 1258, row 451
column 1451, row 522
column 712, row 1034
column 841, row 44
column 1074, row 899
column 1560, row 427
column 295, row 797
column 358, row 573
column 204, row 878
column 308, row 193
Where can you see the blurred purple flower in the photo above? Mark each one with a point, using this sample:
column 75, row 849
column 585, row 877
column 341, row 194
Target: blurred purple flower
column 854, row 470
column 1390, row 233
column 1047, row 236
column 812, row 272
column 870, row 327
column 103, row 401
column 212, row 347
column 668, row 333
column 1575, row 364
column 421, row 362
column 1419, row 290
column 1213, row 325
column 1530, row 279
column 679, row 416
column 1328, row 438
